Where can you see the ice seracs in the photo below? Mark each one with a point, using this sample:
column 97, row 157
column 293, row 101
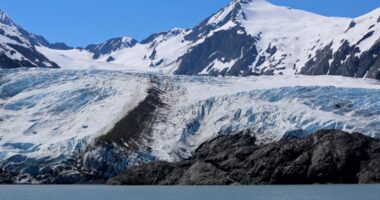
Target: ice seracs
column 58, row 117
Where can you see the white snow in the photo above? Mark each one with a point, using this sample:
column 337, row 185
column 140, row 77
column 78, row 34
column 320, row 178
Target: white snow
column 221, row 15
column 57, row 112
column 65, row 110
column 293, row 32
column 355, row 34
column 126, row 39
column 296, row 34
column 218, row 65
column 12, row 31
column 201, row 104
column 167, row 49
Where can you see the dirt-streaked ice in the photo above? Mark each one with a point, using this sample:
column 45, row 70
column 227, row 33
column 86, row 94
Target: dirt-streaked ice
column 49, row 113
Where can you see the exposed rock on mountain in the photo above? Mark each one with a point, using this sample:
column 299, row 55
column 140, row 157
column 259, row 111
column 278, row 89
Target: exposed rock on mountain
column 247, row 37
column 17, row 46
column 231, row 48
column 110, row 46
column 253, row 37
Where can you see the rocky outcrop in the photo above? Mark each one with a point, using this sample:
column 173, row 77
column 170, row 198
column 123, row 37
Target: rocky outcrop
column 28, row 54
column 345, row 61
column 324, row 157
column 232, row 46
column 5, row 177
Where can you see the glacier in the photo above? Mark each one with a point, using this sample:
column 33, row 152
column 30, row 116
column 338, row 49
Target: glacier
column 56, row 121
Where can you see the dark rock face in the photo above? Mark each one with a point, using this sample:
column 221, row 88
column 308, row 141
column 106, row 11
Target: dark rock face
column 352, row 25
column 5, row 177
column 345, row 62
column 59, row 46
column 320, row 64
column 110, row 59
column 225, row 46
column 29, row 53
column 324, row 157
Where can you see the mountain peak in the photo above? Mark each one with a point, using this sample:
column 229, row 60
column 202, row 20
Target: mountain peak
column 232, row 12
column 5, row 19
column 253, row 1
column 235, row 11
column 111, row 45
column 127, row 40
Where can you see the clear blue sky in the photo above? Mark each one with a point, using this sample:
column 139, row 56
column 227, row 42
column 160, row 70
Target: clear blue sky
column 81, row 22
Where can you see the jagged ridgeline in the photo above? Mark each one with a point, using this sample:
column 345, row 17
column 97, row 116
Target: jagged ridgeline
column 247, row 37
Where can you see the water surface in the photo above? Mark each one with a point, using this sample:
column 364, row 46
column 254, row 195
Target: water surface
column 98, row 192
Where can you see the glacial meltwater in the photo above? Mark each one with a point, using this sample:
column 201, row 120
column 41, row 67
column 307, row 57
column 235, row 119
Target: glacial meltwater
column 98, row 192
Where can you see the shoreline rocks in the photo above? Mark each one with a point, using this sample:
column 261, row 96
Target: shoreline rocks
column 328, row 156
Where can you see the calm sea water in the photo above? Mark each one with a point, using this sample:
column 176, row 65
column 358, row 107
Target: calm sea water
column 312, row 192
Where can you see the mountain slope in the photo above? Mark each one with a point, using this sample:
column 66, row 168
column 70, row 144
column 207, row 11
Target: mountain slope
column 17, row 46
column 110, row 46
column 353, row 53
column 254, row 37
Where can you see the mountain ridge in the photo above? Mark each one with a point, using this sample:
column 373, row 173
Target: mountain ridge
column 247, row 37
column 17, row 46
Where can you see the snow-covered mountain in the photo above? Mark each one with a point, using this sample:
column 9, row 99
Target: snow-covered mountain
column 17, row 46
column 110, row 46
column 248, row 37
column 251, row 37
column 63, row 126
